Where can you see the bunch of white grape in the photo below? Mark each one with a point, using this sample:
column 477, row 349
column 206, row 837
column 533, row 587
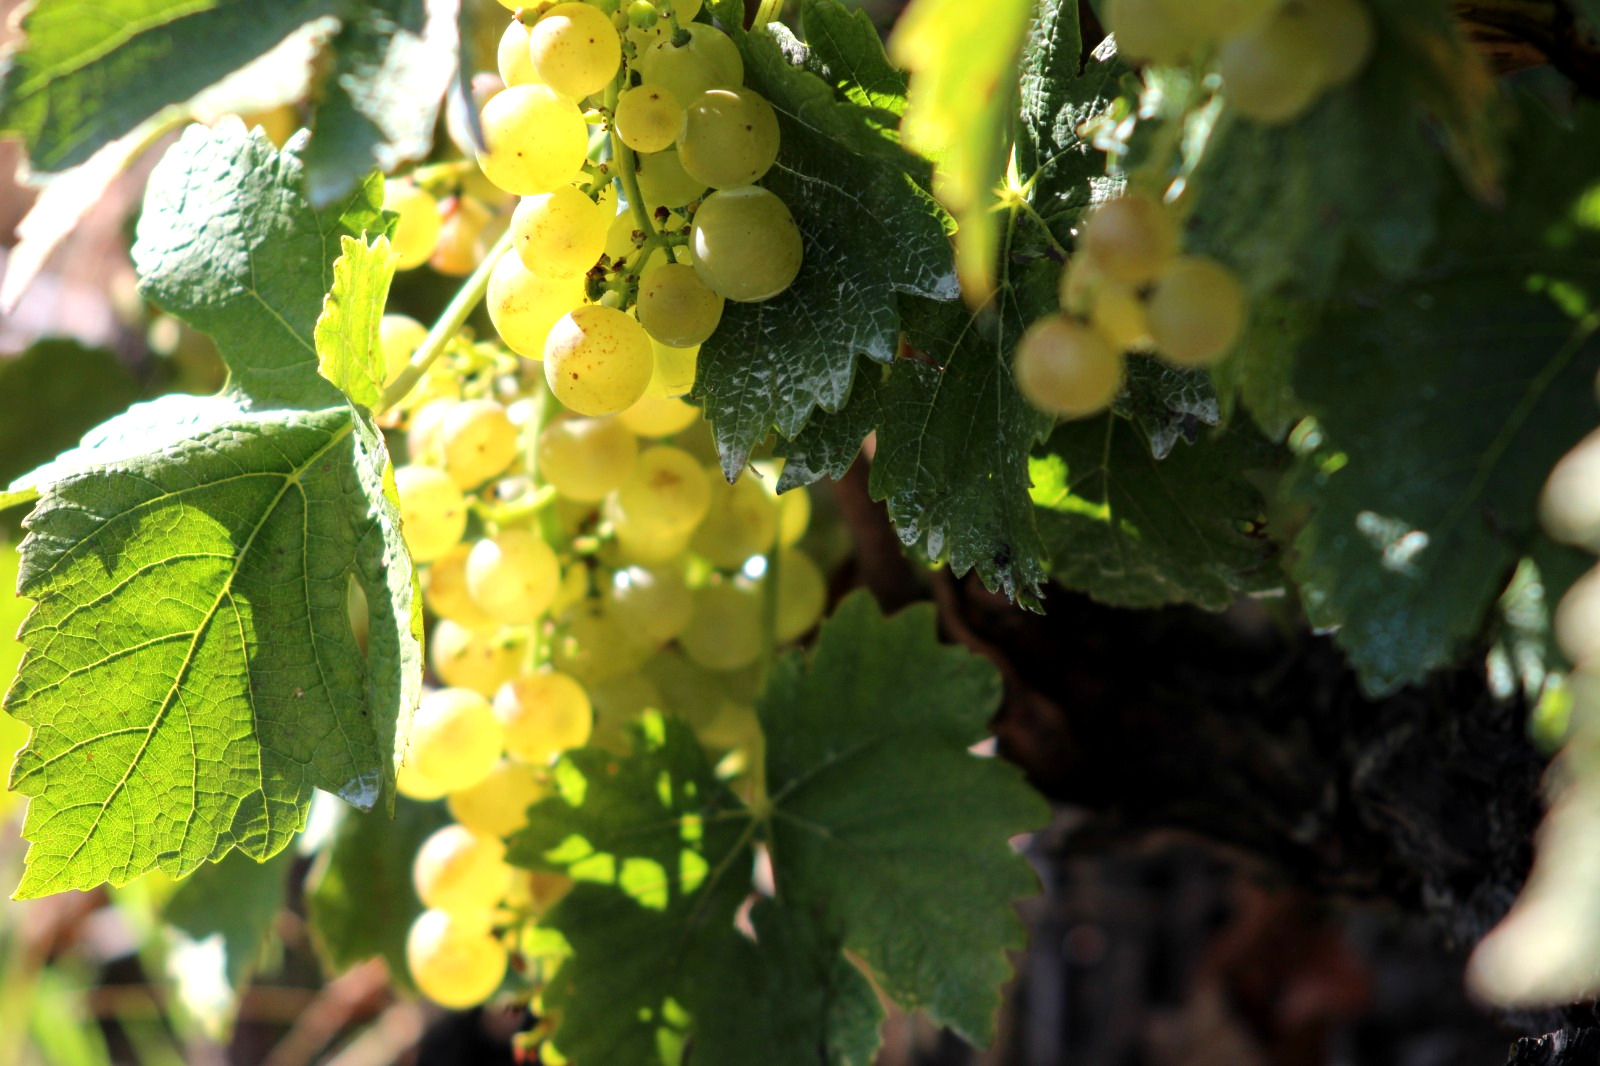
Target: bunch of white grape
column 1127, row 288
column 449, row 216
column 1275, row 57
column 1570, row 512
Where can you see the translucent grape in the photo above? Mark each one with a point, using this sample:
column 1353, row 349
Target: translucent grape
column 524, row 306
column 664, row 183
column 433, row 513
column 445, row 591
column 470, row 659
column 411, row 784
column 1196, row 312
column 674, row 369
column 641, row 542
column 416, row 231
column 498, row 805
column 1577, row 620
column 729, row 137
column 455, row 739
column 1131, row 239
column 675, row 307
column 560, row 233
column 399, row 336
column 802, row 595
column 794, row 506
column 1119, row 314
column 422, row 438
column 620, row 241
column 512, row 59
column 460, row 871
column 543, row 715
column 648, row 118
column 477, row 441
column 1066, row 369
column 1276, row 71
column 463, row 239
column 1569, row 507
column 586, row 458
column 725, row 631
column 655, row 602
column 709, row 60
column 575, row 49
column 1147, row 33
column 745, row 244
column 742, row 521
column 658, row 416
column 1212, row 20
column 666, row 494
column 454, row 960
column 513, row 575
column 591, row 646
column 597, row 360
column 537, row 140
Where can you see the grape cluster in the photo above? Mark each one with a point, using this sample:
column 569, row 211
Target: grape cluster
column 1127, row 289
column 1570, row 512
column 448, row 217
column 578, row 570
column 1275, row 57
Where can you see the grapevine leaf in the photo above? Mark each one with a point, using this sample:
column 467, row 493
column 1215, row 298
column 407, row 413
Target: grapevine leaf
column 870, row 232
column 219, row 922
column 191, row 673
column 89, row 72
column 827, row 446
column 845, row 51
column 348, row 352
column 1441, row 404
column 1134, row 531
column 379, row 98
column 359, row 894
column 1167, row 403
column 963, row 58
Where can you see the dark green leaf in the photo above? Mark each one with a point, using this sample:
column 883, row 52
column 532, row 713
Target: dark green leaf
column 845, row 51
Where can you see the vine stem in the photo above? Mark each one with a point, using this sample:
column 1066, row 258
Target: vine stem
column 449, row 323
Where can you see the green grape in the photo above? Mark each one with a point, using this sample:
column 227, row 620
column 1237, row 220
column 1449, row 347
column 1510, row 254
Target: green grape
column 478, row 441
column 675, row 307
column 745, row 244
column 423, row 437
column 655, row 602
column 643, row 13
column 1214, row 20
column 524, row 306
column 742, row 521
column 460, row 871
column 802, row 594
column 455, row 739
column 454, row 960
column 470, row 659
column 664, row 183
column 667, row 493
column 416, row 231
column 1066, row 369
column 512, row 59
column 537, row 139
column 559, row 234
column 591, row 646
column 641, row 542
column 1196, row 312
column 686, row 10
column 543, row 715
column 1078, row 283
column 1276, row 71
column 399, row 337
column 648, row 118
column 729, row 137
column 513, row 575
column 1577, row 620
column 575, row 49
column 725, row 630
column 597, row 360
column 620, row 240
column 433, row 513
column 1131, row 239
column 412, row 785
column 658, row 416
column 1147, row 33
column 586, row 458
column 709, row 60
column 794, row 506
column 1118, row 313
column 673, row 371
column 1344, row 30
column 498, row 805
column 463, row 240
column 445, row 591
column 1569, row 507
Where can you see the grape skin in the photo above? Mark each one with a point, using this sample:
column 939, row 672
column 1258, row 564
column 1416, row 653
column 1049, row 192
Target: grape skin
column 1130, row 239
column 710, row 60
column 537, row 140
column 512, row 58
column 497, row 806
column 524, row 306
column 416, row 231
column 399, row 337
column 513, row 575
column 647, row 118
column 802, row 595
column 543, row 715
column 667, row 494
column 1569, row 507
column 444, row 590
column 1196, row 312
column 674, row 369
column 586, row 458
column 460, row 871
column 560, row 233
column 477, row 440
column 470, row 659
column 656, row 602
column 675, row 307
column 658, row 416
column 455, row 739
column 745, row 244
column 575, row 49
column 1146, row 33
column 664, row 183
column 433, row 513
column 1273, row 73
column 742, row 521
column 597, row 360
column 725, row 631
column 1066, row 369
column 729, row 137
column 454, row 960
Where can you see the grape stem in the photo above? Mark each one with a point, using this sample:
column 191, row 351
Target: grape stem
column 455, row 315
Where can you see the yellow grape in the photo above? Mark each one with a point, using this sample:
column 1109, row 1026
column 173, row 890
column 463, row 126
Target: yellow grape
column 512, row 58
column 658, row 416
column 1147, row 33
column 742, row 521
column 416, row 232
column 498, row 805
column 729, row 137
column 575, row 49
column 1066, row 369
column 1213, row 20
column 1276, row 71
column 409, row 783
column 543, row 715
column 709, row 60
column 725, row 630
column 467, row 658
column 586, row 458
column 675, row 307
column 641, row 542
column 399, row 337
column 445, row 591
column 524, row 306
column 794, row 506
column 674, row 370
column 560, row 233
column 597, row 360
column 1577, row 620
column 1196, row 312
column 455, row 740
column 618, row 702
column 802, row 595
column 536, row 891
column 664, row 183
column 454, row 961
column 422, row 438
column 655, row 602
column 1131, row 239
column 1569, row 507
column 745, row 244
column 620, row 241
column 461, row 238
column 478, row 441
column 591, row 646
column 1118, row 313
column 536, row 139
column 513, row 575
column 666, row 494
column 647, row 118
column 460, row 871
column 433, row 513
column 1344, row 27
